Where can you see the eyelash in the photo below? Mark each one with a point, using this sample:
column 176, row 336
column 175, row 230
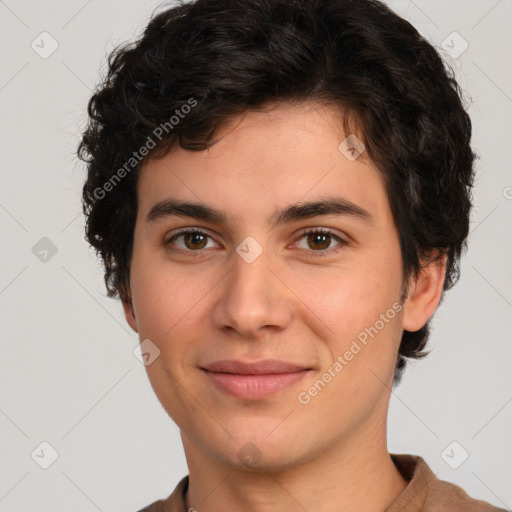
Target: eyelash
column 305, row 232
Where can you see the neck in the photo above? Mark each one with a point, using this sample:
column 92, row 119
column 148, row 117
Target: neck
column 352, row 476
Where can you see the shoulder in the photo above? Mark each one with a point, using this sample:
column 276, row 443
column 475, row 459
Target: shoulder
column 427, row 493
column 157, row 506
column 174, row 503
column 453, row 497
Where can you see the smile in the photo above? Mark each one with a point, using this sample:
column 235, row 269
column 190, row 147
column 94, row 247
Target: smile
column 254, row 387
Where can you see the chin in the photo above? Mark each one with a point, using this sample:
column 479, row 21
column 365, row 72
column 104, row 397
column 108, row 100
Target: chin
column 259, row 451
column 254, row 457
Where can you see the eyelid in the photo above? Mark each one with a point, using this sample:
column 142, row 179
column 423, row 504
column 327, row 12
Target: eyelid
column 342, row 241
column 303, row 232
column 188, row 229
column 183, row 231
column 320, row 229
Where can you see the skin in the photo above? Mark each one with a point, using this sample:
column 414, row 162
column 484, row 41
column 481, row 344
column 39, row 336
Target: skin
column 207, row 303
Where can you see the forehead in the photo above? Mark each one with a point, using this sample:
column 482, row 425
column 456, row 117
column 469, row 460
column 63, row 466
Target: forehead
column 263, row 160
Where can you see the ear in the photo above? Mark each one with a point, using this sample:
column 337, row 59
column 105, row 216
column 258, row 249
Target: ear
column 424, row 293
column 129, row 313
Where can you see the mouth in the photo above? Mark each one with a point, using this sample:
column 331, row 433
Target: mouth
column 254, row 381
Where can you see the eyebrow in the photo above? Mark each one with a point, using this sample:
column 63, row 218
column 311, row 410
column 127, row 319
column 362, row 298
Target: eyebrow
column 299, row 211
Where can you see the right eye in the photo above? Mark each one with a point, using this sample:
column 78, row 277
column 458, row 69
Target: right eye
column 189, row 240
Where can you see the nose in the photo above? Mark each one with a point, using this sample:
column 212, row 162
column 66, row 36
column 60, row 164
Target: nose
column 252, row 299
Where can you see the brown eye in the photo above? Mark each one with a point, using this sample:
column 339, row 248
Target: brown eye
column 319, row 241
column 194, row 240
column 190, row 241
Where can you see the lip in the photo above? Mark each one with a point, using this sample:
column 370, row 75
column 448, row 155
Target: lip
column 254, row 381
column 262, row 367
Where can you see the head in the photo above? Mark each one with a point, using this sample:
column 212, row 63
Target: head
column 246, row 109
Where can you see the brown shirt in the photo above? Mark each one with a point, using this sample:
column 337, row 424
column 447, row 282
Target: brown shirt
column 424, row 493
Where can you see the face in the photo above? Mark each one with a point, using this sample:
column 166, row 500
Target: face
column 253, row 273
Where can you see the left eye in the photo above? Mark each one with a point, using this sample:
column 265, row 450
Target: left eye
column 319, row 240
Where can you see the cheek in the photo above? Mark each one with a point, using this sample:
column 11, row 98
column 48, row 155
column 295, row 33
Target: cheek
column 359, row 348
column 165, row 298
column 168, row 308
column 356, row 311
column 346, row 301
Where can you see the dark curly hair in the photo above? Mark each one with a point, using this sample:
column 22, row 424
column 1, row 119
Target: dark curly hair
column 225, row 57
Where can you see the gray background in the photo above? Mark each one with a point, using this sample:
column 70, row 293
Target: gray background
column 68, row 373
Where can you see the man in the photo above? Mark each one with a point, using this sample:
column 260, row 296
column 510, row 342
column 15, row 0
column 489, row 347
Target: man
column 280, row 193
